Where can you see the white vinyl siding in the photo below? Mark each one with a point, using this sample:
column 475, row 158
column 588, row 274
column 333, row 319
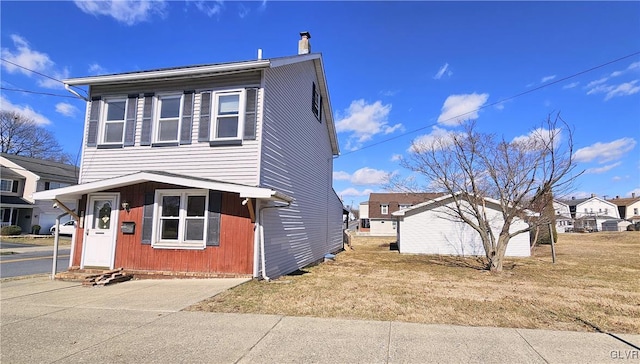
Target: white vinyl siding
column 297, row 160
column 432, row 231
column 237, row 164
column 382, row 227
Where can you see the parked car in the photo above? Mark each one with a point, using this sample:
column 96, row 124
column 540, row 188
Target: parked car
column 65, row 229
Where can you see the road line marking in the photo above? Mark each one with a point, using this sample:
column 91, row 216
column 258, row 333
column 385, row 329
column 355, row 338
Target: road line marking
column 36, row 258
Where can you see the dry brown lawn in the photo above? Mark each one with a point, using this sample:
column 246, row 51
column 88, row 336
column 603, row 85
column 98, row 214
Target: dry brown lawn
column 595, row 280
column 45, row 240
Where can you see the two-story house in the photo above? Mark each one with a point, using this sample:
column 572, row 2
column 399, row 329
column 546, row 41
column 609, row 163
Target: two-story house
column 382, row 205
column 23, row 176
column 628, row 207
column 589, row 213
column 564, row 221
column 212, row 170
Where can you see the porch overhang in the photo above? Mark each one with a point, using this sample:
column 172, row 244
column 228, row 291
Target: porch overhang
column 75, row 192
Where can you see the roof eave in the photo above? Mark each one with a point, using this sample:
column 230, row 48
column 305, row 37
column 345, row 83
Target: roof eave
column 168, row 73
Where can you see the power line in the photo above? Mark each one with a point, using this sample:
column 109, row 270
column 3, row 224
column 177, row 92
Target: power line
column 39, row 73
column 37, row 92
column 495, row 103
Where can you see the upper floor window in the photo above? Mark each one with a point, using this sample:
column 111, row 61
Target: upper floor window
column 228, row 111
column 384, row 209
column 167, row 119
column 8, row 185
column 114, row 120
column 316, row 102
column 404, row 206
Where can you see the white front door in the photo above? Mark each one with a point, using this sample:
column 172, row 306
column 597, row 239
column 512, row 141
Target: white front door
column 100, row 228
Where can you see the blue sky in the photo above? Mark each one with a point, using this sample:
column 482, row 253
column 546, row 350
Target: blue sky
column 392, row 68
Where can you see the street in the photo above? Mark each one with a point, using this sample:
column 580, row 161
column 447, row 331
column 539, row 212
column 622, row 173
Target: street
column 25, row 259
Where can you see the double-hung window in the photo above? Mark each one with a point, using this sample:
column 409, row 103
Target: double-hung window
column 115, row 114
column 384, row 209
column 229, row 109
column 316, row 102
column 6, row 185
column 168, row 113
column 181, row 218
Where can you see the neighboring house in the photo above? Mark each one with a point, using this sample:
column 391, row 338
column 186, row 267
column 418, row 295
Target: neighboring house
column 211, row 170
column 365, row 225
column 429, row 228
column 628, row 208
column 383, row 205
column 564, row 222
column 592, row 206
column 21, row 177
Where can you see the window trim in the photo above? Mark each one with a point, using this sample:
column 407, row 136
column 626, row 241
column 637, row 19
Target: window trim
column 102, row 135
column 180, row 243
column 157, row 111
column 384, row 209
column 242, row 107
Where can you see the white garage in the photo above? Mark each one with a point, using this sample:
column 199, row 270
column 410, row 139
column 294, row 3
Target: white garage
column 429, row 228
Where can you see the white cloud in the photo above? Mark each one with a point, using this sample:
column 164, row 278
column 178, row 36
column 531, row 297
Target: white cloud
column 33, row 60
column 438, row 138
column 389, row 93
column 602, row 169
column 97, row 69
column 24, row 110
column 129, row 12
column 341, row 176
column 605, row 152
column 623, row 89
column 635, row 191
column 616, row 178
column 571, row 85
column 364, row 121
column 601, row 85
column 369, row 176
column 547, row 78
column 66, row 109
column 396, row 157
column 243, row 11
column 263, row 5
column 444, row 70
column 539, row 138
column 458, row 108
column 211, row 8
column 354, row 192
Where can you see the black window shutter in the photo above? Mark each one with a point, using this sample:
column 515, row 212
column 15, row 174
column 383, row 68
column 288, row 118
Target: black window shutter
column 130, row 124
column 313, row 98
column 187, row 117
column 320, row 108
column 14, row 186
column 147, row 120
column 250, row 115
column 213, row 223
column 205, row 117
column 94, row 118
column 147, row 218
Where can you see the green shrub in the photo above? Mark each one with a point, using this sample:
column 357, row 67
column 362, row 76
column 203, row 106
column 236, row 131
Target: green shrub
column 11, row 230
column 35, row 229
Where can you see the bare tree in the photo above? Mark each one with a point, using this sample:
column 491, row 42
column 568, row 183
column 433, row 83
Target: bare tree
column 520, row 175
column 20, row 135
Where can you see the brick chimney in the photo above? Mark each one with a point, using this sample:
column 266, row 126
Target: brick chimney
column 593, row 195
column 304, row 47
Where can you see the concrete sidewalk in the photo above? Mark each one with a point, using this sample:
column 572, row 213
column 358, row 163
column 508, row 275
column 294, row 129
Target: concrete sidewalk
column 142, row 322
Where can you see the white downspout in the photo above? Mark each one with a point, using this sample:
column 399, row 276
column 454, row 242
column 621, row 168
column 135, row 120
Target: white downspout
column 262, row 252
column 56, row 244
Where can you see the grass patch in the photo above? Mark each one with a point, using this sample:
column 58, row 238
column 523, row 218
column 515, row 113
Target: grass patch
column 43, row 240
column 595, row 279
